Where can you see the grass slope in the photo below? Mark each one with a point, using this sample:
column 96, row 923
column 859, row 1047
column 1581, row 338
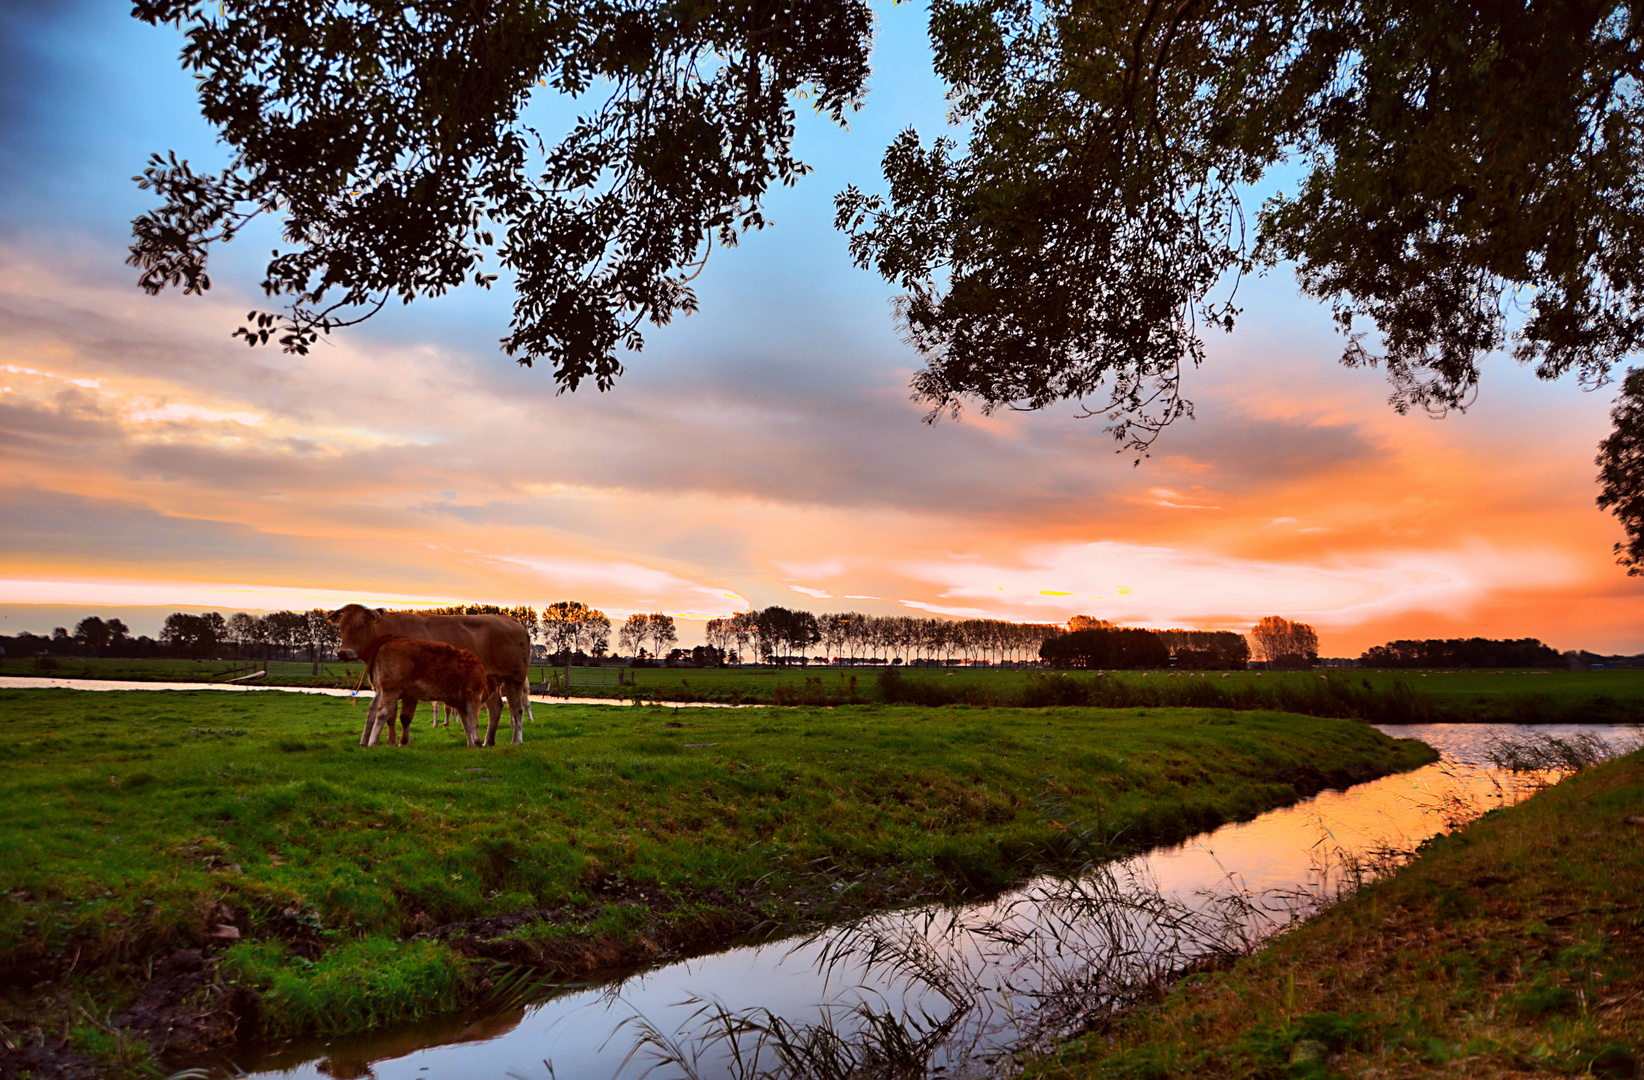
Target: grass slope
column 1514, row 946
column 135, row 824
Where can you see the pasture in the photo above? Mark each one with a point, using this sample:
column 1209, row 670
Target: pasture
column 1494, row 695
column 1507, row 695
column 350, row 886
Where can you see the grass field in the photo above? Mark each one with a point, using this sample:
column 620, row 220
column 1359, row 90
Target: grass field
column 136, row 824
column 1512, row 696
column 1513, row 947
column 1509, row 695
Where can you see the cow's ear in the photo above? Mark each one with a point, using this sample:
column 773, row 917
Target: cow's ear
column 334, row 617
column 380, row 612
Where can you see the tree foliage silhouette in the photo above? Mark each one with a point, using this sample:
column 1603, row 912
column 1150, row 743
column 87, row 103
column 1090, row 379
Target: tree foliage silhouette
column 1460, row 163
column 391, row 139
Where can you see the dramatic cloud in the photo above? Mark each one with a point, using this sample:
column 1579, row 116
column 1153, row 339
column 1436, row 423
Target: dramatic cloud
column 763, row 451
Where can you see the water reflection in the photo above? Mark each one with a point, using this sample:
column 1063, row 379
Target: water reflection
column 955, row 992
column 33, row 682
column 356, row 1056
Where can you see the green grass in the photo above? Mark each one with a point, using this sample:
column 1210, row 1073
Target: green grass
column 1518, row 695
column 126, row 816
column 1507, row 695
column 119, row 669
column 1515, row 946
column 357, row 984
column 1515, row 696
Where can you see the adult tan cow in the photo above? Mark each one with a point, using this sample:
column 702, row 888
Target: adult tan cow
column 502, row 644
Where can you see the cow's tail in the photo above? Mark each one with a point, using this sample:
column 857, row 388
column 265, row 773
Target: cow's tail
column 525, row 686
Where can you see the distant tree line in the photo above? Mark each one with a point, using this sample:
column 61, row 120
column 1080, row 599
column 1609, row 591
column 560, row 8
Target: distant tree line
column 1207, row 650
column 1106, row 648
column 781, row 636
column 573, row 632
column 278, row 635
column 1096, row 644
column 1462, row 653
column 91, row 637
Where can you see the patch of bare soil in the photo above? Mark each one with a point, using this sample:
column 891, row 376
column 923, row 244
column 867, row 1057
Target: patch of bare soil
column 42, row 1057
column 185, row 1008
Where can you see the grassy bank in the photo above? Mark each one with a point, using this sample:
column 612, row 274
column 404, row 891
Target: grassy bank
column 1514, row 946
column 330, row 887
column 1505, row 696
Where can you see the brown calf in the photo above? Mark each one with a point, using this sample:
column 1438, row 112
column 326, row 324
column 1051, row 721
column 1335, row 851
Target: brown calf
column 412, row 670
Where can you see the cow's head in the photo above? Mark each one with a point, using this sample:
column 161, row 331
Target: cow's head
column 355, row 623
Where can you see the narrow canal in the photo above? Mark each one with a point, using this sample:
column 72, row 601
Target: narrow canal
column 958, row 988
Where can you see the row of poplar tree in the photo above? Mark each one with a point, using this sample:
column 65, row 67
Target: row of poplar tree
column 772, row 635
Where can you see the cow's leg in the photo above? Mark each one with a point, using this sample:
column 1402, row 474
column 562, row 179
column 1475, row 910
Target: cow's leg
column 494, row 705
column 525, row 696
column 370, row 715
column 388, row 701
column 517, row 702
column 408, row 711
column 469, row 715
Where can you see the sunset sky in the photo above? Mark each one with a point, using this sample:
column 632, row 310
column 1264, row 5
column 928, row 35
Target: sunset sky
column 764, row 451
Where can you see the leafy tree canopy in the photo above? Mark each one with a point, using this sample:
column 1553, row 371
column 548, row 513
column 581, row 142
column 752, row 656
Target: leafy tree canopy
column 1621, row 465
column 1282, row 643
column 1470, row 178
column 390, row 138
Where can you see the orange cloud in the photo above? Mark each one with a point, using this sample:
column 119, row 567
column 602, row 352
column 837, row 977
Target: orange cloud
column 152, row 461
